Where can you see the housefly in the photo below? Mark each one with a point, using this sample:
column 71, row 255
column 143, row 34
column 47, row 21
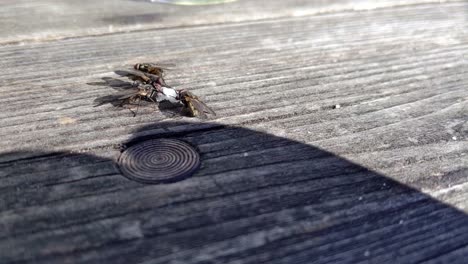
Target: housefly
column 142, row 77
column 153, row 68
column 193, row 104
column 142, row 92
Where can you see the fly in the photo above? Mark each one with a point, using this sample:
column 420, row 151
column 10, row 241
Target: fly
column 149, row 85
column 194, row 105
column 152, row 68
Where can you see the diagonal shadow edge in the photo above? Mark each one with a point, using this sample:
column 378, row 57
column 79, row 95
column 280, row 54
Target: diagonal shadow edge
column 270, row 198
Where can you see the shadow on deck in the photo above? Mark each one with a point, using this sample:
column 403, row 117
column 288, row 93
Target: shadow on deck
column 256, row 198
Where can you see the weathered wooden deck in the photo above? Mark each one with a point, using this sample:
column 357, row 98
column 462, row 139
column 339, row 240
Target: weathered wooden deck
column 286, row 176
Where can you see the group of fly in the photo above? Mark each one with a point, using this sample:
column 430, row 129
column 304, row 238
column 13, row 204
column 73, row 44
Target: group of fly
column 150, row 86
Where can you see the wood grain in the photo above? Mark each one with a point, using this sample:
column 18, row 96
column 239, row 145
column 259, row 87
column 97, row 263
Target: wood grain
column 286, row 176
column 46, row 20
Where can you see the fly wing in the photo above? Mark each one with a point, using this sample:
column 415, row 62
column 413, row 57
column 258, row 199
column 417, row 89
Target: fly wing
column 155, row 68
column 195, row 110
column 115, row 99
column 164, row 66
column 204, row 107
column 114, row 83
column 127, row 96
column 136, row 75
column 201, row 107
column 142, row 77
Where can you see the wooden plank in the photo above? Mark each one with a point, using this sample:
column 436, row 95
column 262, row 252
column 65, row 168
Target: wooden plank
column 376, row 88
column 286, row 177
column 276, row 201
column 46, row 20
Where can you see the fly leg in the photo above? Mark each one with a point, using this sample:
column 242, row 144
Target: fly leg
column 155, row 103
column 138, row 107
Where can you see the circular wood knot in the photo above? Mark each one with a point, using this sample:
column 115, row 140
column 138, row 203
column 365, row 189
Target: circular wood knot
column 159, row 161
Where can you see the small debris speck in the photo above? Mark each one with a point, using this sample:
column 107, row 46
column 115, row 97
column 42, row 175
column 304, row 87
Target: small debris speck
column 336, row 106
column 401, row 222
column 454, row 138
column 360, row 198
column 366, row 253
column 65, row 120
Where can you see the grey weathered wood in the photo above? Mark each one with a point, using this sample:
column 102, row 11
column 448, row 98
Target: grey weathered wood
column 286, row 176
column 45, row 20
